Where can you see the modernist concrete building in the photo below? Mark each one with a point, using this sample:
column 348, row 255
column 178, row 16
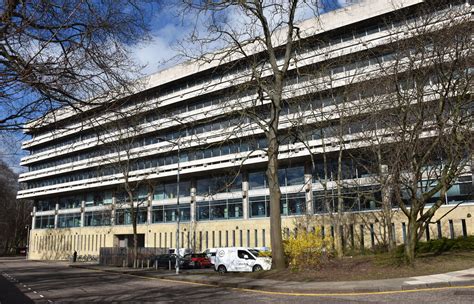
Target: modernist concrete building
column 183, row 124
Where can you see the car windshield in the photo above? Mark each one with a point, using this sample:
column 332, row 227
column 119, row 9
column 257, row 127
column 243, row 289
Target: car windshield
column 258, row 253
column 255, row 252
column 199, row 255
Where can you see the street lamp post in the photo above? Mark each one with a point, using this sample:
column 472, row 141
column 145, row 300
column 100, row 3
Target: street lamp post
column 178, row 217
column 27, row 227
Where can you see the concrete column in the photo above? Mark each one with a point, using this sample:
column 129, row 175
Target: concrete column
column 149, row 209
column 308, row 188
column 193, row 200
column 83, row 208
column 112, row 211
column 245, row 195
column 56, row 216
column 33, row 218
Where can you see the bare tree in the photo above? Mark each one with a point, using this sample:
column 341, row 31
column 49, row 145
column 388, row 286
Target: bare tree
column 120, row 140
column 264, row 43
column 420, row 127
column 65, row 53
column 15, row 218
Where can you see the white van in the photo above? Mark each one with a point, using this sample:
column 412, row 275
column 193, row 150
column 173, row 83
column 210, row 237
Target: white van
column 240, row 259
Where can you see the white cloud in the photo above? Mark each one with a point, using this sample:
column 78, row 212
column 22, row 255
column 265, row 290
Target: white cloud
column 160, row 51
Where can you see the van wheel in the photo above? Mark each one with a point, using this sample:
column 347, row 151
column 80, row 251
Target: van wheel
column 257, row 268
column 221, row 269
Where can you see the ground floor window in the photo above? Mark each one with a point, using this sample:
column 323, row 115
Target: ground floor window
column 259, row 206
column 124, row 217
column 169, row 213
column 290, row 204
column 69, row 220
column 44, row 221
column 219, row 209
column 97, row 218
column 353, row 199
column 293, row 203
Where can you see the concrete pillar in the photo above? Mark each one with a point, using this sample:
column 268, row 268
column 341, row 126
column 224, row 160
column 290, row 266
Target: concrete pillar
column 193, row 200
column 245, row 195
column 83, row 216
column 112, row 211
column 33, row 218
column 149, row 209
column 56, row 216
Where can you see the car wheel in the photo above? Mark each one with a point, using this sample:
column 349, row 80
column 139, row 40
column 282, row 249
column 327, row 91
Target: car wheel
column 197, row 265
column 221, row 269
column 257, row 268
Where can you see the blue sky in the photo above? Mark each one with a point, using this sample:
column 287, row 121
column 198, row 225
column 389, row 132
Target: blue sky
column 167, row 29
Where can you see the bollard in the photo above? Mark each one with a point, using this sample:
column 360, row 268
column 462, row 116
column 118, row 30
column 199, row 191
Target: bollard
column 123, row 263
column 148, row 263
column 142, row 263
column 156, row 264
column 169, row 264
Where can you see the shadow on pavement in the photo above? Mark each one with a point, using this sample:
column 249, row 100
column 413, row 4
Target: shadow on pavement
column 9, row 293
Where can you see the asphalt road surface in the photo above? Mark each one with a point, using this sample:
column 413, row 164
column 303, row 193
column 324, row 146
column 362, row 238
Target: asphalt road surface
column 22, row 280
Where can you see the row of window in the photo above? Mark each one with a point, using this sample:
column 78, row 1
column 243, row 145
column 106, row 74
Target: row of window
column 363, row 198
column 291, row 204
column 144, row 141
column 140, row 164
column 290, row 176
column 203, row 128
column 204, row 187
column 312, row 104
column 221, row 150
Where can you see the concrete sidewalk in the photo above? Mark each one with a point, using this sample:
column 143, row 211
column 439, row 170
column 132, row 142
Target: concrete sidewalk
column 456, row 278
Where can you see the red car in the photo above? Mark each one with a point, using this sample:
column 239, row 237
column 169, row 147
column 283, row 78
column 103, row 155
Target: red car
column 198, row 260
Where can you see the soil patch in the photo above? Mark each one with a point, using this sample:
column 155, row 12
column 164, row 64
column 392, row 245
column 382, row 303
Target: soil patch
column 373, row 267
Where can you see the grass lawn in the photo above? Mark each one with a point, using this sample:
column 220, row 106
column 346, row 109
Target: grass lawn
column 433, row 257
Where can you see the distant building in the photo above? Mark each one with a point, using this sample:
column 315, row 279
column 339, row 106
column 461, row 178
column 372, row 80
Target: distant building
column 223, row 193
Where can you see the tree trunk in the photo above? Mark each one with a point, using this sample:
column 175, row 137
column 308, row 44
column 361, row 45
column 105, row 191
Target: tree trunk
column 278, row 257
column 387, row 214
column 338, row 237
column 135, row 240
column 412, row 240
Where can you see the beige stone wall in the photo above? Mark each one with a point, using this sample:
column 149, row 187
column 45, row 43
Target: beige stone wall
column 59, row 244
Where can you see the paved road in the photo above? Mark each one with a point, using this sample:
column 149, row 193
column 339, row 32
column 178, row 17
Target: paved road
column 53, row 282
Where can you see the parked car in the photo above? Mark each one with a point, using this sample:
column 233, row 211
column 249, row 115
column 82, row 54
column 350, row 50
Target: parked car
column 241, row 259
column 21, row 250
column 165, row 260
column 199, row 260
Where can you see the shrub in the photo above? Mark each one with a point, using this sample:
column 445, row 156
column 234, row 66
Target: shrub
column 307, row 249
column 442, row 245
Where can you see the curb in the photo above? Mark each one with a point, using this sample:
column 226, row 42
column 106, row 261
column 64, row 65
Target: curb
column 250, row 286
